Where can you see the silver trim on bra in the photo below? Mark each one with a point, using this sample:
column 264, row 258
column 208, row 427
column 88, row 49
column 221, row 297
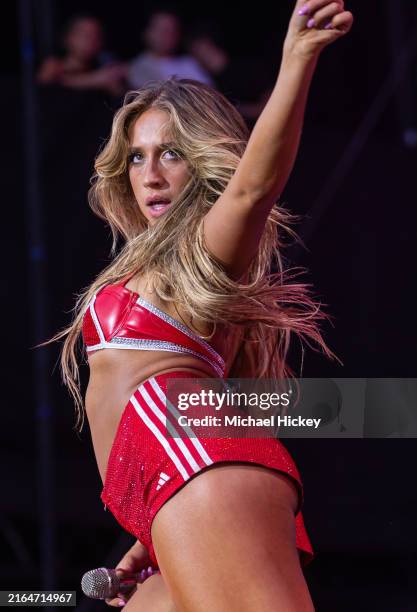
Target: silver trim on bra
column 95, row 319
column 181, row 327
column 153, row 345
column 156, row 345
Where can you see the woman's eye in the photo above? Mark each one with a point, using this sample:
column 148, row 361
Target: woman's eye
column 134, row 158
column 172, row 153
column 137, row 158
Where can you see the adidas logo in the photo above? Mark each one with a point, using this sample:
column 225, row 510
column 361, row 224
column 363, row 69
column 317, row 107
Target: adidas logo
column 163, row 478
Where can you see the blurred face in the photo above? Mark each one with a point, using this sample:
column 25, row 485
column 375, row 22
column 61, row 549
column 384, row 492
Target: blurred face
column 163, row 34
column 201, row 48
column 85, row 39
column 156, row 171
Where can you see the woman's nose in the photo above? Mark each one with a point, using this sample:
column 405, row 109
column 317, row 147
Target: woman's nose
column 153, row 174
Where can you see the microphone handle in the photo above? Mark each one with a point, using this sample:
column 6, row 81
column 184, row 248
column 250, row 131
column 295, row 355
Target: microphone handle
column 128, row 584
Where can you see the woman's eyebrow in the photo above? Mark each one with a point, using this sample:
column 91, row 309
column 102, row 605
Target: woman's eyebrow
column 163, row 145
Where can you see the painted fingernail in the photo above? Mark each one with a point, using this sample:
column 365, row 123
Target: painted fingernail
column 150, row 572
column 121, row 603
column 311, row 23
column 329, row 26
column 303, row 10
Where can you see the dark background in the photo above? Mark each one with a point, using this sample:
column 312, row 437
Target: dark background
column 357, row 164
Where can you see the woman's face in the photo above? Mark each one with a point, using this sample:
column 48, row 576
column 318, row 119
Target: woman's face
column 156, row 171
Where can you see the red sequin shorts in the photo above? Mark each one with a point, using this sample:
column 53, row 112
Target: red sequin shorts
column 146, row 466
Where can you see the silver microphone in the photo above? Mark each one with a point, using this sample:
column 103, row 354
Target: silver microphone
column 103, row 583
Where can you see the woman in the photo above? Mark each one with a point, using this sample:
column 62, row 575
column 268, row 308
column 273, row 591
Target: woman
column 191, row 295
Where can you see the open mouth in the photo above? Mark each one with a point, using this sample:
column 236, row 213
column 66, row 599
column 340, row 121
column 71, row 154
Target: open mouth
column 158, row 207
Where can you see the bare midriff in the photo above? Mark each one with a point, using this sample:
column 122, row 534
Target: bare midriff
column 115, row 375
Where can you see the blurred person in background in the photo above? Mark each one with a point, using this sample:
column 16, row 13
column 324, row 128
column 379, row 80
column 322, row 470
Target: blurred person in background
column 84, row 64
column 245, row 81
column 190, row 295
column 161, row 58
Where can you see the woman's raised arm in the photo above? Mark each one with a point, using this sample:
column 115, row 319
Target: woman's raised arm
column 234, row 225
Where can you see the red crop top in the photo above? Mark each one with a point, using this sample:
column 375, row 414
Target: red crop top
column 119, row 318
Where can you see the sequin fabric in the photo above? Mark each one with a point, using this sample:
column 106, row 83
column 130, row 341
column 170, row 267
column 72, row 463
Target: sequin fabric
column 146, row 466
column 90, row 334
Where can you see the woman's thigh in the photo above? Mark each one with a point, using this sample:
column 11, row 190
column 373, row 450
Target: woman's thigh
column 151, row 596
column 226, row 542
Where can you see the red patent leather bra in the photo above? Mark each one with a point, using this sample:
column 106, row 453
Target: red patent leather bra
column 119, row 318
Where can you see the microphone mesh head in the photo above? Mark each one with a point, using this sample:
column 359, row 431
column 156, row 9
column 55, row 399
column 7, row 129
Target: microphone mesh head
column 100, row 583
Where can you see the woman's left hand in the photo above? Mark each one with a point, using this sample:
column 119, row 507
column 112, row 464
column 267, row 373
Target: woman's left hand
column 314, row 25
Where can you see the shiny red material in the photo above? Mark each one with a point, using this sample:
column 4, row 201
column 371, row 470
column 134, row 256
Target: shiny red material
column 146, row 466
column 119, row 318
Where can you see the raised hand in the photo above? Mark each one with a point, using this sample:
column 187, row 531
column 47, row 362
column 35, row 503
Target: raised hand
column 315, row 24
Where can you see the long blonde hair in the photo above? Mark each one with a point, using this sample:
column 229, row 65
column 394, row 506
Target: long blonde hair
column 262, row 311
